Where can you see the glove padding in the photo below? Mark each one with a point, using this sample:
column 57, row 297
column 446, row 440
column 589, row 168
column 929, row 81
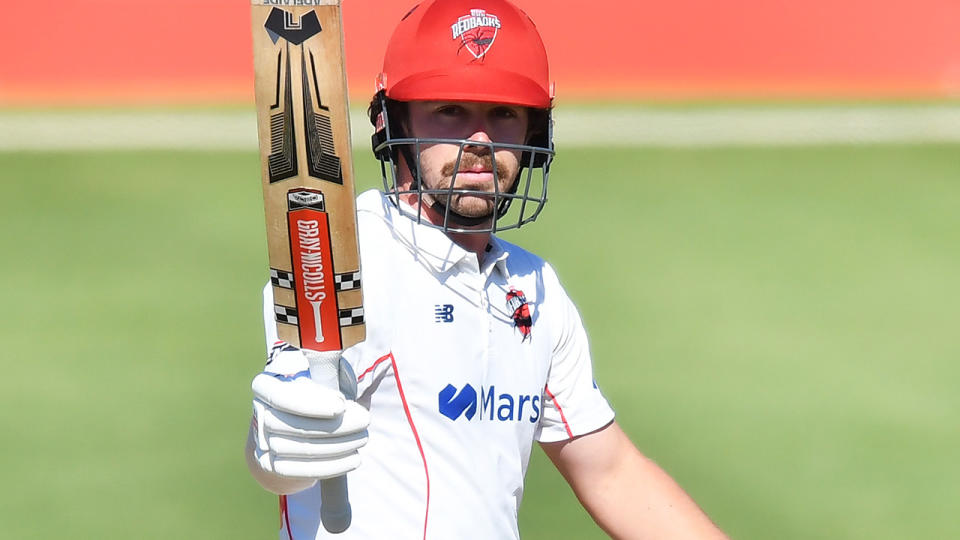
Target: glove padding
column 304, row 429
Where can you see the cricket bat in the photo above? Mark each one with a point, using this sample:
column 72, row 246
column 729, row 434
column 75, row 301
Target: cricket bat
column 307, row 174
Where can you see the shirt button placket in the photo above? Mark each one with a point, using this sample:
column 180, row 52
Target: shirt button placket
column 485, row 305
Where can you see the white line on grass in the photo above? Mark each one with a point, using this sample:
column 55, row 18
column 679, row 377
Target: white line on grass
column 759, row 126
column 586, row 127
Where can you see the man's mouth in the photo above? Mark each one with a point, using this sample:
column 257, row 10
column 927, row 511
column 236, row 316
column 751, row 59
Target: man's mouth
column 475, row 177
column 476, row 169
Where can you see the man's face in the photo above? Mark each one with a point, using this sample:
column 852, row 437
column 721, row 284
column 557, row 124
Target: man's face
column 481, row 122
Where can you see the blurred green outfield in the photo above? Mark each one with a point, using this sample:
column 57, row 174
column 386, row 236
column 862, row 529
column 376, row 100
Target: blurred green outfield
column 778, row 327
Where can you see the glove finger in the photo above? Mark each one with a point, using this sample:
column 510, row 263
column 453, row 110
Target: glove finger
column 353, row 420
column 298, row 395
column 310, row 468
column 258, row 413
column 295, row 447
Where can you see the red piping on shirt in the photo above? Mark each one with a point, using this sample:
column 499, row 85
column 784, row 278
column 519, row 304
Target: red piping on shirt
column 413, row 428
column 285, row 515
column 560, row 409
column 374, row 366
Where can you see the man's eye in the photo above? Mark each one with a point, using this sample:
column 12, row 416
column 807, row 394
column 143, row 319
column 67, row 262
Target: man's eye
column 504, row 112
column 449, row 111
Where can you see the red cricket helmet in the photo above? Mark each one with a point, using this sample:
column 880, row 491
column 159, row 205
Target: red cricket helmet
column 484, row 51
column 459, row 50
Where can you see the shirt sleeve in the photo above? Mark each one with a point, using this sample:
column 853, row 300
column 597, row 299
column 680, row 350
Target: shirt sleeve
column 572, row 402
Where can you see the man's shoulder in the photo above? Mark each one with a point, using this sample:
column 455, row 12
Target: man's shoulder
column 372, row 204
column 517, row 255
column 522, row 260
column 375, row 219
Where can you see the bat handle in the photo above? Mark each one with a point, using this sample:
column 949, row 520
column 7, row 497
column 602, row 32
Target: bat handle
column 335, row 513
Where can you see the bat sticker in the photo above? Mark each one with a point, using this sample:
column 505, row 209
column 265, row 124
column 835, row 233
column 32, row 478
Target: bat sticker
column 281, row 278
column 347, row 281
column 317, row 310
column 351, row 316
column 282, row 161
column 285, row 314
column 286, row 25
column 322, row 160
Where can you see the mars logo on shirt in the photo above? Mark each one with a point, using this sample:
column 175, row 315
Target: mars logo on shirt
column 489, row 404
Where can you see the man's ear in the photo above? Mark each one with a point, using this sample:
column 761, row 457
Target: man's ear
column 535, row 124
column 400, row 115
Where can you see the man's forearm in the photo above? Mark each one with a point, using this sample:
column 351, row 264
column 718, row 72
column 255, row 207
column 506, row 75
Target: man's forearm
column 639, row 500
column 627, row 494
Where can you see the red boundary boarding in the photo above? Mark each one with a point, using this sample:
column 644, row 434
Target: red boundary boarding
column 114, row 51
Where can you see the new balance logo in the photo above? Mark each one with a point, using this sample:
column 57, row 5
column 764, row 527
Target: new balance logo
column 443, row 313
column 489, row 404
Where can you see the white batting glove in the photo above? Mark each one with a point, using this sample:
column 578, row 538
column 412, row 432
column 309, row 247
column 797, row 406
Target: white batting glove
column 303, row 429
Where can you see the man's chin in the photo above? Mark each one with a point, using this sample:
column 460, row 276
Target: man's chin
column 473, row 206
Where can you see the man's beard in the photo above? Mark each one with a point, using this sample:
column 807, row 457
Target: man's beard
column 469, row 161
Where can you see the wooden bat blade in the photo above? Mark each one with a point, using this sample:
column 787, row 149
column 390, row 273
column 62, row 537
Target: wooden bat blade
column 307, row 173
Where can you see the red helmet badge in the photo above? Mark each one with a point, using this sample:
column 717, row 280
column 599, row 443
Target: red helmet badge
column 476, row 32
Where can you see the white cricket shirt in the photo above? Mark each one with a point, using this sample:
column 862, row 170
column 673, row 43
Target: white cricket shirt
column 457, row 392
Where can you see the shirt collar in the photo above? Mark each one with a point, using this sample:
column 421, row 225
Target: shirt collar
column 496, row 257
column 434, row 248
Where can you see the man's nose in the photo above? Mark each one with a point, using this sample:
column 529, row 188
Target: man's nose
column 480, row 136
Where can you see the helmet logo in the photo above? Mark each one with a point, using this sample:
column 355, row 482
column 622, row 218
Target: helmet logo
column 476, row 32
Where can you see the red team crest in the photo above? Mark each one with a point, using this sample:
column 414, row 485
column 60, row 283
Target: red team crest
column 517, row 304
column 476, row 32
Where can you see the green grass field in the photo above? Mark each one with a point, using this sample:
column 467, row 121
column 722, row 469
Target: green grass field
column 776, row 326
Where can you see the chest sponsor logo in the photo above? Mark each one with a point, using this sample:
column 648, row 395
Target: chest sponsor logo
column 443, row 313
column 488, row 404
